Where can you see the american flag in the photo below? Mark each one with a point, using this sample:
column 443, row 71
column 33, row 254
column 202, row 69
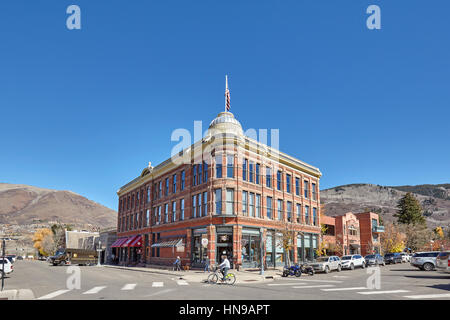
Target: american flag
column 227, row 95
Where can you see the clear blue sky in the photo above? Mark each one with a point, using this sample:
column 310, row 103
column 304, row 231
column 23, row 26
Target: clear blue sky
column 85, row 110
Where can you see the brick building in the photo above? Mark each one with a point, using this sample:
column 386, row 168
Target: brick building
column 370, row 230
column 225, row 194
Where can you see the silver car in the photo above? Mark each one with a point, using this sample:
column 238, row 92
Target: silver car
column 425, row 260
column 443, row 262
column 327, row 264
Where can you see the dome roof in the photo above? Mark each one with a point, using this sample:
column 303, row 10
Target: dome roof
column 225, row 122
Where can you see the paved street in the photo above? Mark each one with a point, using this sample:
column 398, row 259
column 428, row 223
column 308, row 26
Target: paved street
column 399, row 281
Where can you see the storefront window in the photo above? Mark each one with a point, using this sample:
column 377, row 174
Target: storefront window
column 251, row 249
column 279, row 250
column 269, row 250
column 308, row 248
column 300, row 256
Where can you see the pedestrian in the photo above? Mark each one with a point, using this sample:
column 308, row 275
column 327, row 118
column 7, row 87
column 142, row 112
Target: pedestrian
column 177, row 264
column 206, row 262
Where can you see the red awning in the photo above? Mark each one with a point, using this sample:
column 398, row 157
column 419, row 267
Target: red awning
column 131, row 240
column 136, row 242
column 118, row 243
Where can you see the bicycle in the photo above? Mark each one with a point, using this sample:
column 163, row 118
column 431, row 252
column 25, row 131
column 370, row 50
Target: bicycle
column 213, row 278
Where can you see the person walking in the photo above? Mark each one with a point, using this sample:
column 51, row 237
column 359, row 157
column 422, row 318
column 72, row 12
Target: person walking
column 177, row 264
column 206, row 262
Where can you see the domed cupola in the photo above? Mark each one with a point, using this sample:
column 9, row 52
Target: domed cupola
column 225, row 122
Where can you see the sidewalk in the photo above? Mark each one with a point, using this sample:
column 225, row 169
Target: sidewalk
column 242, row 276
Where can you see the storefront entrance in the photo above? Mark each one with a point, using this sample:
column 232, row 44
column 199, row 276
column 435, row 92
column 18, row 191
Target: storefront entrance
column 224, row 244
column 251, row 248
column 199, row 252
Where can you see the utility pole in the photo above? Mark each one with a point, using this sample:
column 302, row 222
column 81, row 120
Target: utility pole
column 99, row 250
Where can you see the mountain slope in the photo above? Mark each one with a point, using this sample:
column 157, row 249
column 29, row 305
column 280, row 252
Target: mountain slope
column 363, row 197
column 23, row 204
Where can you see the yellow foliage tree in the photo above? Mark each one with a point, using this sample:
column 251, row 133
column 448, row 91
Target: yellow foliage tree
column 392, row 240
column 39, row 239
column 439, row 232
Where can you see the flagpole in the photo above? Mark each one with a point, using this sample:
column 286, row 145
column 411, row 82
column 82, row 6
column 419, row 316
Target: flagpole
column 226, row 89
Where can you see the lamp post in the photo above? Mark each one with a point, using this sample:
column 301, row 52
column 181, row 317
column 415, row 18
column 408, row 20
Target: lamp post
column 99, row 250
column 3, row 262
column 262, row 251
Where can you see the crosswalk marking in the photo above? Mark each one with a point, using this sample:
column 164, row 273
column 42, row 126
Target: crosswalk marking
column 324, row 281
column 158, row 284
column 53, row 294
column 429, row 296
column 318, row 286
column 345, row 289
column 129, row 286
column 94, row 290
column 182, row 282
column 382, row 292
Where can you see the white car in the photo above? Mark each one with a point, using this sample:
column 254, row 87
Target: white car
column 443, row 262
column 7, row 265
column 353, row 261
column 405, row 257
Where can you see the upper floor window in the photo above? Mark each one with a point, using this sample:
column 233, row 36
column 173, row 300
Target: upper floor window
column 269, row 207
column 252, row 205
column 251, row 171
column 258, row 206
column 257, row 173
column 148, row 194
column 159, row 189
column 230, row 201
column 199, row 204
column 288, row 183
column 307, row 215
column 205, row 203
column 306, row 188
column 268, row 177
column 174, row 183
column 159, row 214
column 166, row 191
column 218, row 198
column 194, row 174
column 183, row 177
column 314, row 191
column 244, row 202
column 199, row 176
column 280, row 209
column 279, row 180
column 182, row 209
column 147, row 218
column 205, row 171
column 289, row 211
column 166, row 213
column 299, row 213
column 297, row 186
column 230, row 167
column 219, row 166
column 174, row 211
column 315, row 216
column 194, row 206
column 244, row 170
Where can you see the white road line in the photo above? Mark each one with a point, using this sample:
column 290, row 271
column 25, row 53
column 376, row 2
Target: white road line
column 382, row 292
column 158, row 284
column 340, row 277
column 160, row 292
column 182, row 283
column 285, row 284
column 318, row 286
column 94, row 290
column 129, row 286
column 429, row 296
column 324, row 281
column 53, row 294
column 345, row 289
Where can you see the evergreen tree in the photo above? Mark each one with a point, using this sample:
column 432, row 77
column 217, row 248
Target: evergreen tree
column 410, row 211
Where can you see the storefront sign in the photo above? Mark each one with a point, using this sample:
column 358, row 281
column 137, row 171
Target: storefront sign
column 204, row 242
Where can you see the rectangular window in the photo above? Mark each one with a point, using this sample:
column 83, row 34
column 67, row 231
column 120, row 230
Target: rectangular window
column 194, row 206
column 280, row 209
column 132, row 201
column 230, row 166
column 252, row 205
column 299, row 213
column 199, row 176
column 166, row 213
column 279, row 180
column 244, row 170
column 183, row 177
column 269, row 207
column 257, row 174
column 182, row 209
column 174, row 211
column 297, row 186
column 230, row 201
column 160, row 189
column 194, row 174
column 148, row 194
column 205, row 203
column 199, row 204
column 205, row 171
column 288, row 183
column 258, row 206
column 306, row 188
column 219, row 166
column 174, row 183
column 244, row 202
column 314, row 191
column 251, row 171
column 268, row 177
column 159, row 214
column 218, row 196
column 166, row 193
column 137, row 198
column 289, row 211
column 307, row 215
column 315, row 216
column 147, row 218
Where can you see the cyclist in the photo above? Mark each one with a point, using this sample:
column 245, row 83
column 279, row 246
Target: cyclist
column 224, row 267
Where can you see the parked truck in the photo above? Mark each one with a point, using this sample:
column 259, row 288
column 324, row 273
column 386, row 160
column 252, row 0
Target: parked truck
column 80, row 248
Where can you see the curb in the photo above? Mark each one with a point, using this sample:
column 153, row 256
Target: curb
column 21, row 294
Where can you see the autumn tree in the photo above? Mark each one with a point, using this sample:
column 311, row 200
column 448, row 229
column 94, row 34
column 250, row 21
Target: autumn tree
column 41, row 240
column 392, row 239
column 288, row 239
column 418, row 237
column 439, row 232
column 409, row 210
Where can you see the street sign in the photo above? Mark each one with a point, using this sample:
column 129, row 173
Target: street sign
column 205, row 242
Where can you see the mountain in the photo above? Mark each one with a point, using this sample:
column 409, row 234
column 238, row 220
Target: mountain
column 435, row 200
column 24, row 205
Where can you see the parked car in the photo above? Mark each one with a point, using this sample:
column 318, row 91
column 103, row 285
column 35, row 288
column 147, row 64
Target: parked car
column 19, row 258
column 443, row 262
column 393, row 257
column 327, row 264
column 7, row 265
column 13, row 256
column 353, row 261
column 374, row 259
column 10, row 258
column 425, row 260
column 405, row 257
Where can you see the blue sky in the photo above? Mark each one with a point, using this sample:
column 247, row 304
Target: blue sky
column 85, row 110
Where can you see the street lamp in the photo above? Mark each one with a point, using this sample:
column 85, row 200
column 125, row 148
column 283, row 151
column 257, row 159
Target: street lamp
column 262, row 251
column 99, row 250
column 3, row 262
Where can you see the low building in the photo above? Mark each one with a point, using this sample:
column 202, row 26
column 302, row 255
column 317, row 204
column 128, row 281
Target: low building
column 370, row 232
column 107, row 238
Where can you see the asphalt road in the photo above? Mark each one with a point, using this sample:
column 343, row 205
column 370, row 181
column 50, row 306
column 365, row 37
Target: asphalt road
column 399, row 281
